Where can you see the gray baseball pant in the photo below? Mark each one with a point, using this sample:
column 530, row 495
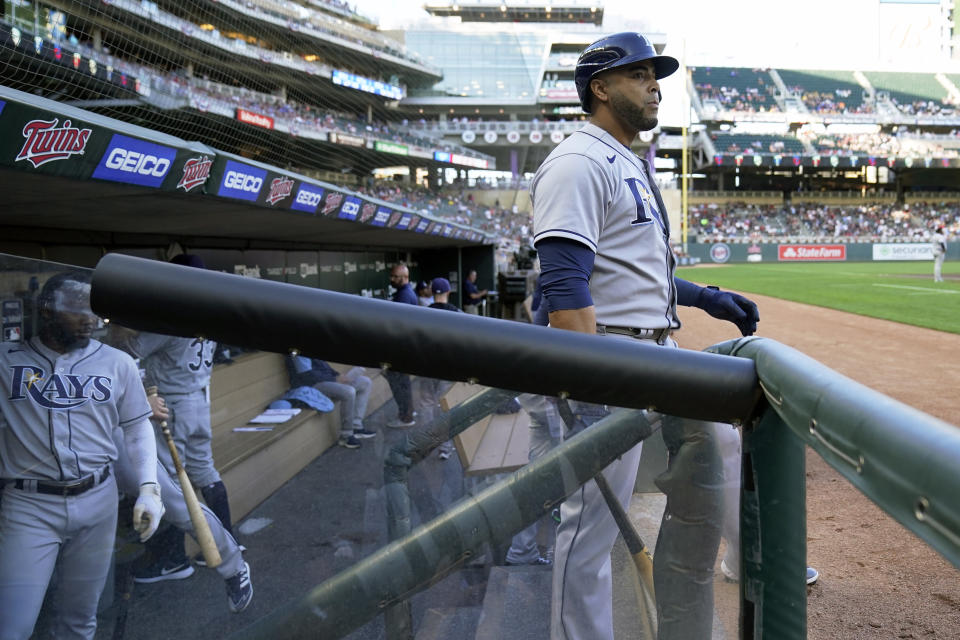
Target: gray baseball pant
column 35, row 530
column 190, row 425
column 177, row 513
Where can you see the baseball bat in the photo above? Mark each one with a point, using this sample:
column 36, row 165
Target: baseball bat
column 642, row 560
column 200, row 526
column 638, row 550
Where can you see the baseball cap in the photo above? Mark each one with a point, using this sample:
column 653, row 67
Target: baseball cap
column 440, row 285
column 423, row 284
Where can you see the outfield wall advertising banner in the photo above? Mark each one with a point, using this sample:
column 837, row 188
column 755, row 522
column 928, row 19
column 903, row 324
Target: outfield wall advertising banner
column 905, row 251
column 135, row 161
column 810, row 252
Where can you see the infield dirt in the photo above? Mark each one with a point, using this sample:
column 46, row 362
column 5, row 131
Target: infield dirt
column 877, row 580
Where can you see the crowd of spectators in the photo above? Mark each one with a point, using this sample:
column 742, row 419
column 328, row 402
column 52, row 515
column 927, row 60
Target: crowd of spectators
column 927, row 108
column 836, row 102
column 873, row 222
column 881, row 144
column 733, row 99
column 455, row 204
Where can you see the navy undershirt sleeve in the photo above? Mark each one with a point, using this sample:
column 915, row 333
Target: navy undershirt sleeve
column 688, row 294
column 565, row 269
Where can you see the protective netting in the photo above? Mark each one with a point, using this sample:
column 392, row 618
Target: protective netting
column 311, row 86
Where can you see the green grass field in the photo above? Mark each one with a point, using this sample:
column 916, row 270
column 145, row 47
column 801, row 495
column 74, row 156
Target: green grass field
column 899, row 291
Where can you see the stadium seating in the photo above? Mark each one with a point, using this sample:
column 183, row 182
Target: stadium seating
column 913, row 93
column 736, row 88
column 826, row 91
column 739, row 143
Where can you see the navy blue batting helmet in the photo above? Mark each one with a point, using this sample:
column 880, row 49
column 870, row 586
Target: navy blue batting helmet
column 614, row 51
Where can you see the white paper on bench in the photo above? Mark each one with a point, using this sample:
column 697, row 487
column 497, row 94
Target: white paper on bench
column 274, row 416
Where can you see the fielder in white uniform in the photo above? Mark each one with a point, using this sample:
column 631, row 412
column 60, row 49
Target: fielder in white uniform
column 939, row 247
column 63, row 396
column 602, row 235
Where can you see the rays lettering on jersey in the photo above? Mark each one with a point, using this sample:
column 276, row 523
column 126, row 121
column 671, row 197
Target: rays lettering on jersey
column 55, row 391
column 643, row 196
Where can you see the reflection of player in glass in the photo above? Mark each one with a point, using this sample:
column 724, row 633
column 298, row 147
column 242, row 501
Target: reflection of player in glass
column 64, row 394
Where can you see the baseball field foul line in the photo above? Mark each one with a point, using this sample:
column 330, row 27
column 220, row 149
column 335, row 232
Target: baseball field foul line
column 923, row 289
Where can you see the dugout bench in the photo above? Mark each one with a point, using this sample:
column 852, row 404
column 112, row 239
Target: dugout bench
column 255, row 464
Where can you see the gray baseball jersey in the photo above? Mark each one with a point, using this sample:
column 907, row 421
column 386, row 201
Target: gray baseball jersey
column 175, row 365
column 594, row 190
column 58, row 411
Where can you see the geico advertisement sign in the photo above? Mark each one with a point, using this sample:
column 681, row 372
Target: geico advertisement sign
column 241, row 181
column 308, row 198
column 135, row 162
column 799, row 252
column 908, row 251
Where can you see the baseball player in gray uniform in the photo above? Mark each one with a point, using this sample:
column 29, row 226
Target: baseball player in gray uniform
column 180, row 368
column 63, row 396
column 602, row 235
column 233, row 569
column 939, row 248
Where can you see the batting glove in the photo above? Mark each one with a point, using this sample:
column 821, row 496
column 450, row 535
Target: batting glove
column 148, row 510
column 726, row 305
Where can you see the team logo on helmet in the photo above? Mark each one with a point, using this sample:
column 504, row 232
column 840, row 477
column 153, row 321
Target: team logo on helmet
column 280, row 188
column 195, row 172
column 45, row 142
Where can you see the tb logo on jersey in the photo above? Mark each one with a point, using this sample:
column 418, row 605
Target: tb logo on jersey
column 646, row 211
column 55, row 391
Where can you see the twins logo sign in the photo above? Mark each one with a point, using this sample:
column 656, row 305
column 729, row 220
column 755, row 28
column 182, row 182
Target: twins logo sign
column 195, row 172
column 55, row 391
column 46, row 142
column 332, row 203
column 280, row 188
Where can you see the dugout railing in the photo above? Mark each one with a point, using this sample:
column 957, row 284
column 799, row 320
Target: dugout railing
column 902, row 459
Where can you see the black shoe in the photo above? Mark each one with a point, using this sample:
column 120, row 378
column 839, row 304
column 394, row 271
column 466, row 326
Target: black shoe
column 349, row 442
column 364, row 433
column 240, row 590
column 158, row 572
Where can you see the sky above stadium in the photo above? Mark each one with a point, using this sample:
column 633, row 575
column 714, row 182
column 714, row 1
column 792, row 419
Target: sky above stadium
column 841, row 34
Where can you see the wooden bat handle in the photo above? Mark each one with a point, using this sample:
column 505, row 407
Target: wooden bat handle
column 201, row 528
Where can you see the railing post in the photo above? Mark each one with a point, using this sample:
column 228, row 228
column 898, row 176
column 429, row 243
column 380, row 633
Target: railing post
column 773, row 532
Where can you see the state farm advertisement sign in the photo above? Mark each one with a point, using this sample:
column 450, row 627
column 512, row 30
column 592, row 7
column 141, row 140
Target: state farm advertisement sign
column 800, row 252
column 256, row 119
